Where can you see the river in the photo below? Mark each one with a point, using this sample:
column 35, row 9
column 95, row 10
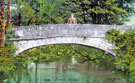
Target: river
column 65, row 70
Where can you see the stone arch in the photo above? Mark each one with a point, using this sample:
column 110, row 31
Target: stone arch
column 99, row 43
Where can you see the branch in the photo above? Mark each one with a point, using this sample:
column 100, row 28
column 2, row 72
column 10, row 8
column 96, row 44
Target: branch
column 87, row 56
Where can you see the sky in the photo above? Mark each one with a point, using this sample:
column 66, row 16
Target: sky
column 131, row 21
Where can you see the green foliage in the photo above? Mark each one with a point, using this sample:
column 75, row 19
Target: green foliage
column 6, row 57
column 94, row 56
column 10, row 34
column 126, row 53
column 37, row 12
column 84, row 36
column 43, row 54
column 6, row 62
column 99, row 11
column 132, row 77
column 112, row 35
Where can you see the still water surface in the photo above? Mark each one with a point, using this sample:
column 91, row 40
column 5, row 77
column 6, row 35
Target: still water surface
column 65, row 70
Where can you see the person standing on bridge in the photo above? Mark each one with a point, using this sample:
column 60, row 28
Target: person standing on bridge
column 72, row 20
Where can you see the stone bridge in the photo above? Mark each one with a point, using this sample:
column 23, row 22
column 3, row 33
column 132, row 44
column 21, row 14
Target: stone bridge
column 82, row 34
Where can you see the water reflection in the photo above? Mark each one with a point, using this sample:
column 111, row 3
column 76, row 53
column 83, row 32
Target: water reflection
column 66, row 70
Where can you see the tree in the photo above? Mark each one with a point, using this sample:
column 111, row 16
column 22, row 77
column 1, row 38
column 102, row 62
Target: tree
column 34, row 12
column 128, row 5
column 2, row 22
column 58, row 11
column 125, row 50
column 6, row 57
column 6, row 62
column 3, row 26
column 99, row 11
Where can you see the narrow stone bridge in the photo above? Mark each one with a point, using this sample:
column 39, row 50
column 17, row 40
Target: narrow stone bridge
column 82, row 34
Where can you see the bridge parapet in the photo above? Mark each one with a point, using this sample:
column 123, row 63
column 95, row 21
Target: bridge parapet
column 66, row 30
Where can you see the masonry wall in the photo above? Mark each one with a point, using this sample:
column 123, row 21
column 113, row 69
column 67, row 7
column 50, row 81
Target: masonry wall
column 66, row 30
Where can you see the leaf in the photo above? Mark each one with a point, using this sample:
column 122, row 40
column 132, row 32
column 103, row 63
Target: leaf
column 132, row 66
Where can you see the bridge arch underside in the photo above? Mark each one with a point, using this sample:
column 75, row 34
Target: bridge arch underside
column 98, row 43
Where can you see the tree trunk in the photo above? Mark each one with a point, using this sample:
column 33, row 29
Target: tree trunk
column 99, row 18
column 2, row 22
column 0, row 36
column 84, row 19
column 93, row 16
column 106, row 18
column 28, row 23
column 19, row 20
column 3, row 39
column 83, row 16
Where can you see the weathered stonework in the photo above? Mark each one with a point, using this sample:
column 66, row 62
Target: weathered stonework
column 34, row 36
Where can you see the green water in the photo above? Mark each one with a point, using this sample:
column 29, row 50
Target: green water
column 66, row 70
